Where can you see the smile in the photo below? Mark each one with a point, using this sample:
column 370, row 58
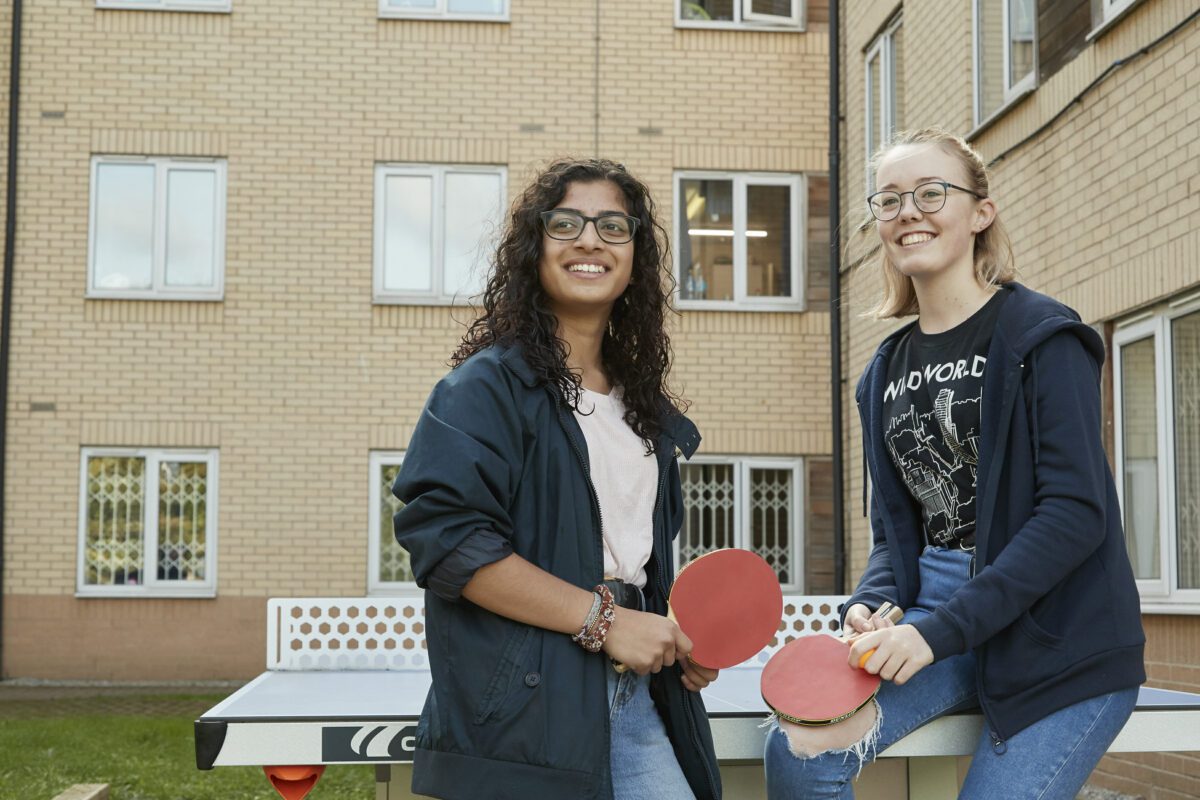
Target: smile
column 920, row 237
column 588, row 268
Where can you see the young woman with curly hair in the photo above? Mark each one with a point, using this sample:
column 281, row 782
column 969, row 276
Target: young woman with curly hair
column 541, row 495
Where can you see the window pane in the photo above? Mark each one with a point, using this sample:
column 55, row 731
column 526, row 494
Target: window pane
column 897, row 82
column 393, row 559
column 768, row 241
column 771, row 517
column 707, row 10
column 182, row 520
column 989, row 71
column 1185, row 359
column 709, row 507
column 817, row 241
column 408, row 232
column 776, row 8
column 1020, row 37
column 875, row 103
column 191, row 227
column 481, row 7
column 472, row 212
column 706, row 246
column 124, row 236
column 113, row 540
column 1139, row 445
column 421, row 4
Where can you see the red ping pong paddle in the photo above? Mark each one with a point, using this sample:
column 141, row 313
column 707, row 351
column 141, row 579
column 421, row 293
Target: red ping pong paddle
column 810, row 682
column 729, row 604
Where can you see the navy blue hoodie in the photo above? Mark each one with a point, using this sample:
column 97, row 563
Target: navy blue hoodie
column 1052, row 613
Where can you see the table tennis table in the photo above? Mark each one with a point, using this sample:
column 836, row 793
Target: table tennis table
column 330, row 699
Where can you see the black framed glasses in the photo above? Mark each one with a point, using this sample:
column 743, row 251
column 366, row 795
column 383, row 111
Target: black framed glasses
column 567, row 224
column 929, row 198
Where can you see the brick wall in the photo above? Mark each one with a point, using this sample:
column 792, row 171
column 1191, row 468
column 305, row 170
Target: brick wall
column 295, row 376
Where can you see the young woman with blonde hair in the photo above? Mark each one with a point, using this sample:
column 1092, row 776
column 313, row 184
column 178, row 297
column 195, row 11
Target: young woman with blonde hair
column 993, row 510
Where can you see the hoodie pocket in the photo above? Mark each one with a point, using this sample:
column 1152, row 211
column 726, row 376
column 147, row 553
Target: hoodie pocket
column 1021, row 656
column 504, row 674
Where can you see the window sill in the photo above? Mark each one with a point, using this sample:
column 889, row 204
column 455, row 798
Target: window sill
column 409, row 15
column 1109, row 23
column 403, row 590
column 173, row 297
column 1000, row 112
column 738, row 26
column 1161, row 606
column 206, row 593
column 735, row 305
column 182, row 7
column 419, row 300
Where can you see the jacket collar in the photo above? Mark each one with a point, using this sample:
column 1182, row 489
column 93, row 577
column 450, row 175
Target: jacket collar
column 680, row 431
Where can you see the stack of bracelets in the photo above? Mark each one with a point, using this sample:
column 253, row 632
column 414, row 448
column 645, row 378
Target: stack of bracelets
column 595, row 628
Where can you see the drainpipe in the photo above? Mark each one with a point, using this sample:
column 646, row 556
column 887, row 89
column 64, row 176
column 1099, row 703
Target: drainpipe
column 835, row 298
column 10, row 238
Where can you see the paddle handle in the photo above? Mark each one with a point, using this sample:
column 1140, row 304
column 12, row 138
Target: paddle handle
column 886, row 611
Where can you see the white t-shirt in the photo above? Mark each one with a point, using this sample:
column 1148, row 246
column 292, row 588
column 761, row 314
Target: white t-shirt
column 626, row 481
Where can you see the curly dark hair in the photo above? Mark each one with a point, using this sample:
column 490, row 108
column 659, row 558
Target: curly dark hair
column 636, row 350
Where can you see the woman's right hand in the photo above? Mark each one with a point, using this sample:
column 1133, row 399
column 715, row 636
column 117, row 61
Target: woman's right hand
column 645, row 642
column 859, row 620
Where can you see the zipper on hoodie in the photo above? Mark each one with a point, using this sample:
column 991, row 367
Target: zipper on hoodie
column 999, row 746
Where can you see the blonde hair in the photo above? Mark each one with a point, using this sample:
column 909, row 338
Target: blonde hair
column 993, row 250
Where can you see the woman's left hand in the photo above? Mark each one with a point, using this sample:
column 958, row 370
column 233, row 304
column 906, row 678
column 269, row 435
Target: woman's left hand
column 696, row 677
column 900, row 653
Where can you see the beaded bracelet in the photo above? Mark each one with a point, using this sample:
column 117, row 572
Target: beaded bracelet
column 595, row 630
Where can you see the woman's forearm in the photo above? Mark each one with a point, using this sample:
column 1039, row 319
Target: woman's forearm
column 514, row 588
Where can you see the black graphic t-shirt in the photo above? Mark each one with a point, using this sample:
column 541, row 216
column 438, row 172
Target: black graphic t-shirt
column 931, row 419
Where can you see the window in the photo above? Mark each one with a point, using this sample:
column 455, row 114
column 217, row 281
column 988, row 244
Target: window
column 157, row 228
column 1005, row 54
column 482, row 10
column 885, row 91
column 740, row 242
column 1111, row 9
column 754, row 14
column 168, row 5
column 753, row 503
column 435, row 228
column 387, row 560
column 1156, row 388
column 147, row 523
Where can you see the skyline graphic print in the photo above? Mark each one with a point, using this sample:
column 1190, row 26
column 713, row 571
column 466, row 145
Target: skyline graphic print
column 936, row 453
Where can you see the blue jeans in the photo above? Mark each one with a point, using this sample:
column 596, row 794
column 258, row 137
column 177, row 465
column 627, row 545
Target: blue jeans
column 1049, row 760
column 643, row 762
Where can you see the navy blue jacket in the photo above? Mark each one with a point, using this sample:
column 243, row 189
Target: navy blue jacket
column 1052, row 613
column 518, row 711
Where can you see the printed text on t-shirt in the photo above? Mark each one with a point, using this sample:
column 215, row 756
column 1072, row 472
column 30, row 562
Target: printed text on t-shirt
column 941, row 373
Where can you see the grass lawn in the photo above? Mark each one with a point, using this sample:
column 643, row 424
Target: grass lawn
column 141, row 757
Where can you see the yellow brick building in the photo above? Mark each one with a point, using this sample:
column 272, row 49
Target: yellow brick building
column 245, row 229
column 1088, row 114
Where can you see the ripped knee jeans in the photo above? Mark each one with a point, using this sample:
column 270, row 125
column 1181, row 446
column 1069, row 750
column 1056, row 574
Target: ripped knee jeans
column 806, row 764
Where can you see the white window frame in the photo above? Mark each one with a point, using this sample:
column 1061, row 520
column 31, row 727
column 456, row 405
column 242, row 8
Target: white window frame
column 1161, row 595
column 376, row 587
column 151, row 586
column 437, row 295
column 159, row 290
column 745, row 18
column 218, row 6
column 798, row 182
column 883, row 48
column 1012, row 92
column 742, row 465
column 439, row 12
